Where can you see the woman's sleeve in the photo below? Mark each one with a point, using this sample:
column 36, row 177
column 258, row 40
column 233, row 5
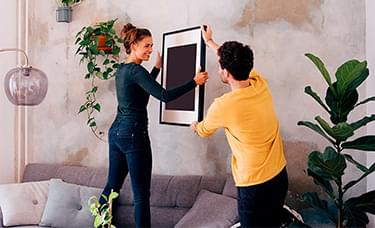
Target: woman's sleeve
column 154, row 72
column 151, row 86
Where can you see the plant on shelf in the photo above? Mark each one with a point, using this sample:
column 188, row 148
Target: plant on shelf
column 101, row 63
column 102, row 213
column 327, row 168
column 64, row 10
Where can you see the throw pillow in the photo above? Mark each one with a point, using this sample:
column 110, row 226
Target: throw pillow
column 23, row 203
column 67, row 205
column 210, row 210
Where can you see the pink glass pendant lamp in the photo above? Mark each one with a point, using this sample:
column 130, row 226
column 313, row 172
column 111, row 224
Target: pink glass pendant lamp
column 25, row 85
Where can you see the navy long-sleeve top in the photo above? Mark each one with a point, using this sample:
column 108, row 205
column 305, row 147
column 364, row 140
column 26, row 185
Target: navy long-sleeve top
column 134, row 84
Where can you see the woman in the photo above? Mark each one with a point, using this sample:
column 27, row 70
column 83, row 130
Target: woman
column 129, row 143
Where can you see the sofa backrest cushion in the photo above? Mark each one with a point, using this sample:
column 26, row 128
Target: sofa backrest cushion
column 81, row 175
column 166, row 191
column 67, row 205
column 23, row 203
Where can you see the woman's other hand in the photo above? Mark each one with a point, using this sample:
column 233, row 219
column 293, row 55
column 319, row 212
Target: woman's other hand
column 201, row 77
column 158, row 62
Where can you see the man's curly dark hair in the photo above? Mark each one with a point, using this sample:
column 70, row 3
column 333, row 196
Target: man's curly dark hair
column 237, row 58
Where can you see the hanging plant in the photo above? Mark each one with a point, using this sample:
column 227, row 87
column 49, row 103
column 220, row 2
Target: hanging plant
column 101, row 63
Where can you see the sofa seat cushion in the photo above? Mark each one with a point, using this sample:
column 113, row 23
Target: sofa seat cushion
column 23, row 203
column 67, row 205
column 210, row 210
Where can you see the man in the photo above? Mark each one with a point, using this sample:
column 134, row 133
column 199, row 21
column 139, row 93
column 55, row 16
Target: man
column 253, row 133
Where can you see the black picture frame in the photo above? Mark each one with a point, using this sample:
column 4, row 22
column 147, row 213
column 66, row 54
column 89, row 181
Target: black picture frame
column 184, row 51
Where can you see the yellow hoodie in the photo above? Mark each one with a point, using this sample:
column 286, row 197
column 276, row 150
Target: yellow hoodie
column 252, row 131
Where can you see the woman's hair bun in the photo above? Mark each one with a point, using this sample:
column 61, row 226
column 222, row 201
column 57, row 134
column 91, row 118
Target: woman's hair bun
column 128, row 27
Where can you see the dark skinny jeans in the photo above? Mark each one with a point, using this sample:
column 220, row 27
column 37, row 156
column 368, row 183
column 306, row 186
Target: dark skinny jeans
column 130, row 152
column 261, row 205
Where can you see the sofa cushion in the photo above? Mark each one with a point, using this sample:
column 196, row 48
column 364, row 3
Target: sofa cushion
column 210, row 210
column 67, row 205
column 230, row 188
column 23, row 203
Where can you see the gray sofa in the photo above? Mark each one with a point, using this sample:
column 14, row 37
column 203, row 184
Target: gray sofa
column 171, row 196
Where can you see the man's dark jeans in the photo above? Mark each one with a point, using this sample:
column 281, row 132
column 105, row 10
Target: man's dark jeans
column 261, row 205
column 130, row 151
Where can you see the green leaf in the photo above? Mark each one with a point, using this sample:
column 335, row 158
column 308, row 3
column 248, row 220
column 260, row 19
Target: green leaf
column 329, row 165
column 342, row 131
column 116, row 50
column 315, row 128
column 313, row 199
column 365, row 101
column 362, row 122
column 97, row 107
column 340, row 106
column 90, row 67
column 325, row 184
column 355, row 209
column 352, row 183
column 98, row 221
column 106, row 61
column 320, row 65
column 89, row 120
column 309, row 91
column 350, row 75
column 325, row 126
column 84, row 42
column 366, row 143
column 82, row 108
column 354, row 162
column 77, row 40
column 94, row 89
column 93, row 124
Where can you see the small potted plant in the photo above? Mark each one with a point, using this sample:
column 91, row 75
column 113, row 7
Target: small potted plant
column 64, row 10
column 102, row 213
column 99, row 48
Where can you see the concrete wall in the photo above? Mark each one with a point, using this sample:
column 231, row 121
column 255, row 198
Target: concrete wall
column 370, row 56
column 8, row 60
column 280, row 32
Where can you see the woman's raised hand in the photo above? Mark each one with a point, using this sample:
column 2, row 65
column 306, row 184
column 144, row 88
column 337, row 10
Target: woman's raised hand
column 158, row 61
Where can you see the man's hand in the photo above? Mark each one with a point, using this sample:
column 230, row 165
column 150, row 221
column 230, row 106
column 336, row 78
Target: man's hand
column 193, row 126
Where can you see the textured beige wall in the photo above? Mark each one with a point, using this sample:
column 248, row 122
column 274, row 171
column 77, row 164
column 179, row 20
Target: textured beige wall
column 280, row 32
column 8, row 61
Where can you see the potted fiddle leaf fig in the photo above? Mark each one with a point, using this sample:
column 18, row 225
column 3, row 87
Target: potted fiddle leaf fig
column 64, row 10
column 328, row 168
column 101, row 63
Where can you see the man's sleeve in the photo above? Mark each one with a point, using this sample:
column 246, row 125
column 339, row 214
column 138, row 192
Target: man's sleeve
column 212, row 121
